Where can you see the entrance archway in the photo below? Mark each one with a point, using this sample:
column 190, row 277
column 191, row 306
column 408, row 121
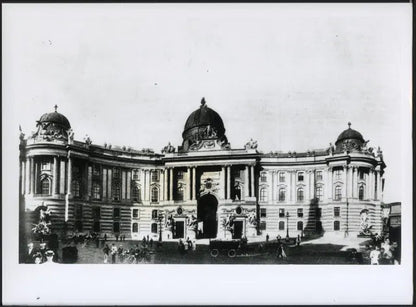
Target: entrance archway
column 207, row 214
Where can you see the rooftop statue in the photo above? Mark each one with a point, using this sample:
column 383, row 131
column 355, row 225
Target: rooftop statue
column 251, row 144
column 168, row 148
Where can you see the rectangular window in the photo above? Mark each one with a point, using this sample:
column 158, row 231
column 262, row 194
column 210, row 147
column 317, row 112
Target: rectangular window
column 96, row 191
column 361, row 174
column 44, row 166
column 281, row 212
column 135, row 213
column 96, row 226
column 78, row 226
column 319, row 176
column 135, row 227
column 336, row 225
column 263, row 225
column 337, row 174
column 319, row 193
column 135, row 174
column 263, row 177
column 300, row 176
column 336, row 211
column 116, row 213
column 78, row 212
column 96, row 213
column 300, row 212
column 281, row 225
column 282, row 177
column 155, row 176
column 96, row 170
column 116, row 227
column 116, row 173
column 180, row 175
column 263, row 212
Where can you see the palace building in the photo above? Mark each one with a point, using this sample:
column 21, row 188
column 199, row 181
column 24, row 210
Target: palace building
column 201, row 189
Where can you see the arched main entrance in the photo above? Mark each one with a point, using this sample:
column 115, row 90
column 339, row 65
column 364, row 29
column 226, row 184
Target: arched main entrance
column 207, row 214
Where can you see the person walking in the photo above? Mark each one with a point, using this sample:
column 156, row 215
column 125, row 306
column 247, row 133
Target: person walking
column 279, row 252
column 151, row 242
column 113, row 253
column 298, row 240
column 267, row 238
column 106, row 251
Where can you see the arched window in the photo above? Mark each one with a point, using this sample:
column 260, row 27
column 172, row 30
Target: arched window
column 300, row 225
column 281, row 225
column 300, row 194
column 336, row 225
column 75, row 188
column 45, row 186
column 96, row 191
column 338, row 192
column 282, row 194
column 319, row 193
column 155, row 195
column 154, row 228
column 154, row 214
column 263, row 194
column 135, row 227
column 361, row 192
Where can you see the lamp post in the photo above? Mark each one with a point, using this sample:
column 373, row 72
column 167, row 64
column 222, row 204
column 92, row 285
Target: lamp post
column 160, row 218
column 287, row 224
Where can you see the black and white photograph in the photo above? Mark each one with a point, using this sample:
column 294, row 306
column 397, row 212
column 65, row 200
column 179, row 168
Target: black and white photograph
column 197, row 150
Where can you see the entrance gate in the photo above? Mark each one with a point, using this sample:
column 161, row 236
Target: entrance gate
column 207, row 214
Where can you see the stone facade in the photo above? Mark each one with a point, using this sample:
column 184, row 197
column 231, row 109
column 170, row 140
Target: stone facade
column 203, row 189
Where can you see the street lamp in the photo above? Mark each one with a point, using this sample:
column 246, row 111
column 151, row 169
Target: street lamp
column 287, row 224
column 160, row 218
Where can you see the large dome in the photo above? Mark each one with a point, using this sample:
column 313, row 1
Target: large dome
column 349, row 139
column 202, row 117
column 203, row 124
column 55, row 118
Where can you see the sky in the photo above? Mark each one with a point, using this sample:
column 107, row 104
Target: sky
column 290, row 77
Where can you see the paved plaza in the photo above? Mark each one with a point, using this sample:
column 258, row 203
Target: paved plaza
column 316, row 251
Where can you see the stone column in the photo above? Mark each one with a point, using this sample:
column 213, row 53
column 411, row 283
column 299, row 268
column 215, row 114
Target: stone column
column 109, row 182
column 55, row 176
column 171, row 184
column 194, row 183
column 62, row 177
column 162, row 185
column 331, row 183
column 32, row 176
column 128, row 184
column 89, row 180
column 188, row 183
column 345, row 175
column 166, row 184
column 69, row 192
column 27, row 183
column 228, row 182
column 222, row 182
column 142, row 187
column 246, row 183
column 371, row 184
column 353, row 170
column 289, row 186
column 123, row 184
column 350, row 179
column 253, row 193
column 147, row 185
column 308, row 184
column 35, row 176
column 23, row 174
column 105, row 183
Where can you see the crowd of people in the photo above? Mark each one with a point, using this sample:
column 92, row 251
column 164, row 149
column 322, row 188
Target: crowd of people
column 383, row 251
column 40, row 255
column 188, row 245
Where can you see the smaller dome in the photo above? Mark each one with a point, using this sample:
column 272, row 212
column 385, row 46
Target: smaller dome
column 56, row 118
column 349, row 134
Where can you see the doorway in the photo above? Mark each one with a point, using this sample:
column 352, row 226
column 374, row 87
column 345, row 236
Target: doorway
column 179, row 230
column 207, row 213
column 238, row 229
